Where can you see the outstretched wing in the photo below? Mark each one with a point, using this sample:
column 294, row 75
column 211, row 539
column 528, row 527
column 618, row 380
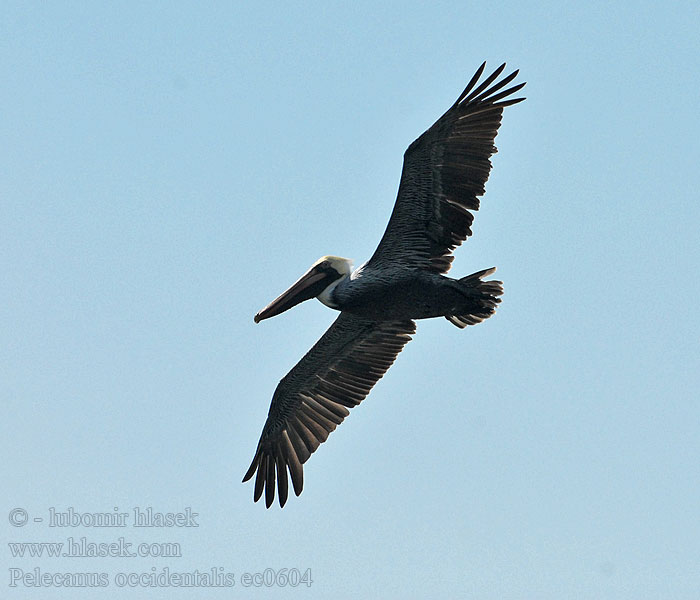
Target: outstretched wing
column 314, row 397
column 444, row 172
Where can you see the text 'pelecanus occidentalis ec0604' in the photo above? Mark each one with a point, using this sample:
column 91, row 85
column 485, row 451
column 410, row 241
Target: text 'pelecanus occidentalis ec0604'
column 444, row 172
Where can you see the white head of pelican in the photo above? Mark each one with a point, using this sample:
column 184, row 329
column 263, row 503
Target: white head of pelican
column 318, row 282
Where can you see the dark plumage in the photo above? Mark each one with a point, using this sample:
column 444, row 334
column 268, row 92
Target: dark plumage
column 443, row 175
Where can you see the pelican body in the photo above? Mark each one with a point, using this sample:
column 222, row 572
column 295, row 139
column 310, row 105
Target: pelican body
column 444, row 173
column 387, row 295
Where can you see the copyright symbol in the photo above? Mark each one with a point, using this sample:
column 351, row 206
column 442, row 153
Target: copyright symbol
column 18, row 517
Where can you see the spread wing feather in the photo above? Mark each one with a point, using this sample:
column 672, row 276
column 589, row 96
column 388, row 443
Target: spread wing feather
column 314, row 397
column 444, row 173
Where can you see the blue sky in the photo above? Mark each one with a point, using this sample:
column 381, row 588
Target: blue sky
column 169, row 168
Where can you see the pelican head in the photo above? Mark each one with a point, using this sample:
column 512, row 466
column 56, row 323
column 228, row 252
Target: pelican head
column 317, row 282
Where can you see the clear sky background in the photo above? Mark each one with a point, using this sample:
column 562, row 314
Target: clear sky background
column 169, row 168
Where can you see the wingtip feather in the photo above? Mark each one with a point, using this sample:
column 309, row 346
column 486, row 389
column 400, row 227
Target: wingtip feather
column 251, row 469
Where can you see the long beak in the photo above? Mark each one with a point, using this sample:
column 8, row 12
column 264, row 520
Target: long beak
column 309, row 285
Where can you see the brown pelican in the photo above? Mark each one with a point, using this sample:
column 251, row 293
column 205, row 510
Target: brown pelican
column 444, row 172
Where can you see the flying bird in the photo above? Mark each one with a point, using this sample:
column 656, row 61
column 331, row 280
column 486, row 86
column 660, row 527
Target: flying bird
column 444, row 172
